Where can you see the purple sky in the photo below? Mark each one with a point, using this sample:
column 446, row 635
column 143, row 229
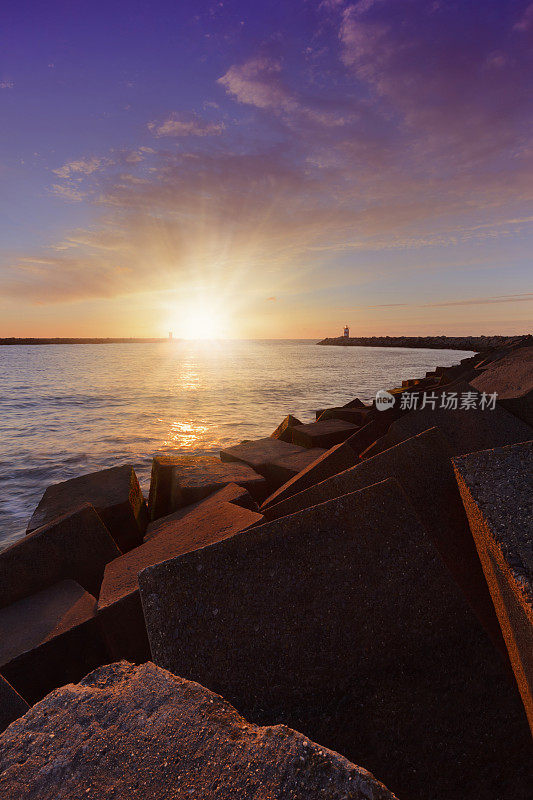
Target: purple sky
column 283, row 167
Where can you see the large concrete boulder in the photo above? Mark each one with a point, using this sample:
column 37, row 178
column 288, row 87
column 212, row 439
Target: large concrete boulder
column 422, row 466
column 284, row 429
column 76, row 545
column 49, row 639
column 275, row 459
column 497, row 491
column 357, row 416
column 332, row 461
column 179, row 481
column 12, row 705
column 115, row 494
column 467, row 430
column 324, row 433
column 144, row 734
column 231, row 493
column 511, row 377
column 119, row 605
column 343, row 619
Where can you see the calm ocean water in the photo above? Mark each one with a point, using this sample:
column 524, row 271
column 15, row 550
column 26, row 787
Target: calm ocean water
column 67, row 410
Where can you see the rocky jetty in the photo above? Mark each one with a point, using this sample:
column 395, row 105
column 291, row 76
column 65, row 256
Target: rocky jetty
column 478, row 344
column 365, row 579
column 140, row 732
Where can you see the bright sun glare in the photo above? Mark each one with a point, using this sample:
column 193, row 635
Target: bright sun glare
column 201, row 322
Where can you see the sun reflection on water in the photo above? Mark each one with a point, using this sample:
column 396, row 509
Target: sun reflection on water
column 186, row 436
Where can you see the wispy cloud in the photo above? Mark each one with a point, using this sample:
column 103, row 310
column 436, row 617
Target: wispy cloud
column 82, row 166
column 185, row 125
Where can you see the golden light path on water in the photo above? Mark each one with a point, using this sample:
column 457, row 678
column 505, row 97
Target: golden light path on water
column 66, row 411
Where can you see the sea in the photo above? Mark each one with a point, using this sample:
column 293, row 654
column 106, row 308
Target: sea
column 66, row 410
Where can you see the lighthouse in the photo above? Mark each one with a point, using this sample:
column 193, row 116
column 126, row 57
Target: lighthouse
column 346, row 332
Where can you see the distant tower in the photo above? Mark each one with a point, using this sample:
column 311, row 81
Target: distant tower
column 346, row 332
column 170, row 334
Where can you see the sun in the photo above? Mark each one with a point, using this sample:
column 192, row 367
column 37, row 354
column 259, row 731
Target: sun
column 202, row 321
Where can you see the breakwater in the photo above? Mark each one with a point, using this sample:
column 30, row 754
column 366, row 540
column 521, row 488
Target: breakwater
column 475, row 343
column 89, row 340
column 362, row 578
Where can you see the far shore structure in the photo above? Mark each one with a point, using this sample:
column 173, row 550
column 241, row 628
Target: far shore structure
column 341, row 610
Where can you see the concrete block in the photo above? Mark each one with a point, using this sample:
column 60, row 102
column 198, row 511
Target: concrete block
column 344, row 618
column 76, row 546
column 497, row 491
column 115, row 494
column 511, row 377
column 326, row 433
column 332, row 461
column 269, row 457
column 119, row 607
column 49, row 639
column 284, row 429
column 179, row 481
column 144, row 734
column 422, row 466
column 231, row 493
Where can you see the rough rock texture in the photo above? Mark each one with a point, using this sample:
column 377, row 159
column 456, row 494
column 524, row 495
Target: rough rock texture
column 365, row 436
column 325, row 433
column 343, row 619
column 149, row 735
column 179, row 481
column 467, row 430
column 231, row 493
column 77, row 546
column 283, row 469
column 511, row 376
column 332, row 461
column 284, row 429
column 49, row 639
column 422, row 466
column 116, row 495
column 119, row 605
column 497, row 491
column 357, row 416
column 265, row 456
column 12, row 705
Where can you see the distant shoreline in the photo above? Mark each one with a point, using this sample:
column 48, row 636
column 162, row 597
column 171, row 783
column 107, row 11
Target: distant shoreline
column 473, row 343
column 28, row 341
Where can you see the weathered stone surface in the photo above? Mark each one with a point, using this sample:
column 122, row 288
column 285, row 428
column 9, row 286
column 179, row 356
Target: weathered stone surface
column 12, row 705
column 467, row 430
column 497, row 491
column 325, row 433
column 231, row 493
column 357, row 416
column 264, row 456
column 284, row 429
column 119, row 606
column 364, row 437
column 332, row 461
column 77, row 546
column 422, row 466
column 116, row 495
column 148, row 735
column 179, row 481
column 281, row 470
column 343, row 618
column 49, row 639
column 511, row 377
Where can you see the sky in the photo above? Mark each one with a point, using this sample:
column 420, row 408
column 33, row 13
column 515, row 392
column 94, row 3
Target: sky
column 266, row 169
